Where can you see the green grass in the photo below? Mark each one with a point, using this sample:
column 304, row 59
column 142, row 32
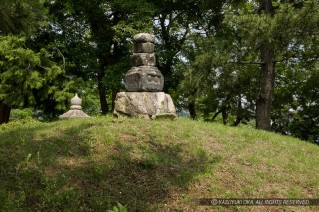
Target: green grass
column 93, row 164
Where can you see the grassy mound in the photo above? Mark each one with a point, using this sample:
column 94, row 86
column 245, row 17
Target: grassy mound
column 93, row 164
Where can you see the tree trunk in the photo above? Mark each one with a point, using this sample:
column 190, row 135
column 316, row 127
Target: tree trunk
column 4, row 113
column 102, row 37
column 266, row 89
column 101, row 86
column 266, row 79
column 239, row 115
column 114, row 93
column 223, row 110
column 266, row 6
column 216, row 114
column 191, row 109
column 224, row 115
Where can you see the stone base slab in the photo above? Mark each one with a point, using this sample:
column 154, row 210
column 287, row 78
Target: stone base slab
column 149, row 105
column 73, row 113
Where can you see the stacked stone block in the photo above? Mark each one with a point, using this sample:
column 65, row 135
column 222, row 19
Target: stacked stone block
column 144, row 83
column 144, row 75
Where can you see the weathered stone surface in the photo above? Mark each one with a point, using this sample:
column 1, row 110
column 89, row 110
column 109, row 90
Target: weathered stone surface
column 147, row 47
column 73, row 114
column 144, row 78
column 76, row 103
column 143, row 59
column 148, row 105
column 75, row 111
column 144, row 37
column 144, row 82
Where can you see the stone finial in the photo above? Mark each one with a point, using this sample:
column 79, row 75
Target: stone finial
column 76, row 109
column 76, row 102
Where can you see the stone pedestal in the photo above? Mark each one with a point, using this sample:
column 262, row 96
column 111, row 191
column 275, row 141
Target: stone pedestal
column 144, row 105
column 144, row 83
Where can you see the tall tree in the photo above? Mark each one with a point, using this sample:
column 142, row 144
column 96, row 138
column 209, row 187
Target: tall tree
column 252, row 37
column 207, row 51
column 173, row 22
column 24, row 74
column 110, row 23
column 215, row 82
column 281, row 34
column 16, row 16
column 267, row 75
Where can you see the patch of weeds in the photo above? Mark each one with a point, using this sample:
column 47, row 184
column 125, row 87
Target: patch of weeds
column 254, row 159
column 313, row 183
column 67, row 199
column 187, row 134
column 292, row 167
column 209, row 160
column 247, row 189
column 118, row 208
column 275, row 192
column 96, row 199
column 216, row 159
column 149, row 158
column 98, row 172
column 294, row 192
column 19, row 124
column 109, row 137
column 196, row 164
column 230, row 194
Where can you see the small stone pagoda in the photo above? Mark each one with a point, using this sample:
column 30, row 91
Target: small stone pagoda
column 75, row 110
column 143, row 83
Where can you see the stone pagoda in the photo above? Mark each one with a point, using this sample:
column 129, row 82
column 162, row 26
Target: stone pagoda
column 144, row 84
column 75, row 110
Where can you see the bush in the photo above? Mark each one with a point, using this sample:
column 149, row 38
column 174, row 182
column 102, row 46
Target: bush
column 25, row 114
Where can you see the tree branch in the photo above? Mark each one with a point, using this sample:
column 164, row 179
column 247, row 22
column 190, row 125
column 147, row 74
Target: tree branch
column 247, row 63
column 63, row 58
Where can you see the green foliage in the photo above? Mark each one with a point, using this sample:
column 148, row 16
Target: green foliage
column 21, row 114
column 221, row 69
column 23, row 72
column 18, row 16
column 94, row 40
column 139, row 18
column 302, row 109
column 216, row 82
column 289, row 30
column 119, row 208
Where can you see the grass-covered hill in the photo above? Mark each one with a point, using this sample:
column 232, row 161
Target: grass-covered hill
column 93, row 164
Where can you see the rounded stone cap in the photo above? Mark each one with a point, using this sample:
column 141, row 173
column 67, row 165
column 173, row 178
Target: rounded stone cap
column 144, row 37
column 76, row 101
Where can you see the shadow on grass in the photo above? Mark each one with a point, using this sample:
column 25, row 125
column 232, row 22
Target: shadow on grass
column 141, row 176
